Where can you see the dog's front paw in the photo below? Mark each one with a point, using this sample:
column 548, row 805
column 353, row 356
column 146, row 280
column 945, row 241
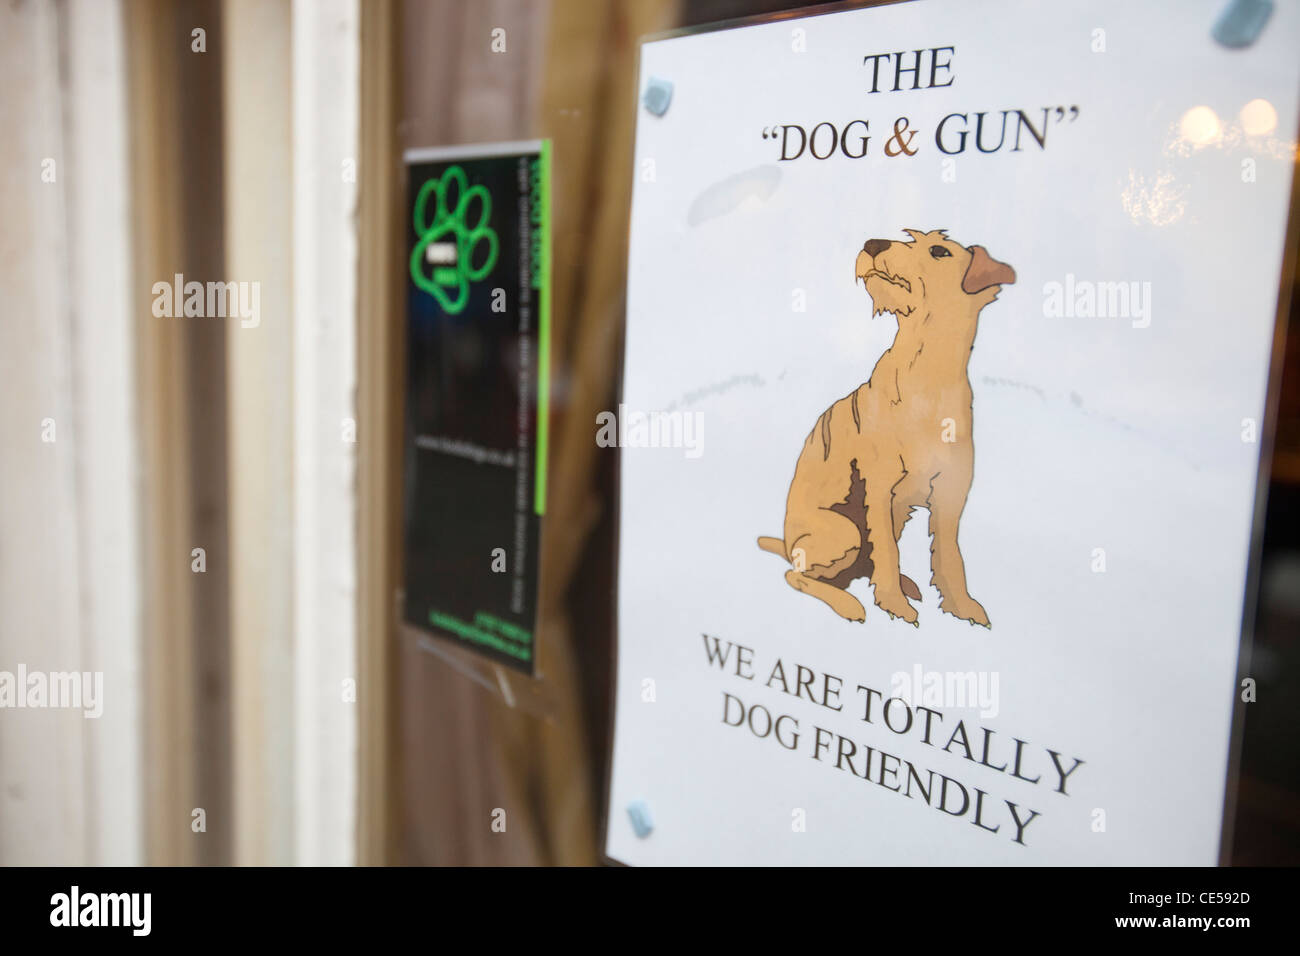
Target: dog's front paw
column 895, row 604
column 966, row 608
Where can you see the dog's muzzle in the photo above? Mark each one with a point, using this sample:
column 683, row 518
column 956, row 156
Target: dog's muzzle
column 866, row 258
column 864, row 266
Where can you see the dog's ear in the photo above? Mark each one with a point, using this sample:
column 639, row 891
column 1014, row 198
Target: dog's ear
column 985, row 271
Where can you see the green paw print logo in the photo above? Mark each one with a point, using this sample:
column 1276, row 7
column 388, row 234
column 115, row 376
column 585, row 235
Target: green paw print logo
column 448, row 242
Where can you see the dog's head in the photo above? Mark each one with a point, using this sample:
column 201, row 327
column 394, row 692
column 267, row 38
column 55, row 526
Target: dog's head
column 931, row 274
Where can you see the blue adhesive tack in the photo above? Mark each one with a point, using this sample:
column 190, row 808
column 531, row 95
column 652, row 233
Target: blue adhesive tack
column 642, row 822
column 658, row 94
column 1242, row 22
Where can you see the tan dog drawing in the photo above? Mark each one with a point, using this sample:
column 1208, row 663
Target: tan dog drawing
column 901, row 441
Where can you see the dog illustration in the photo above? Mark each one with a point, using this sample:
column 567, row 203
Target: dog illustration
column 901, row 441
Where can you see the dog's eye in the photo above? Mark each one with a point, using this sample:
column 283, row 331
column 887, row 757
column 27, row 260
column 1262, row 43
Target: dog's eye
column 938, row 252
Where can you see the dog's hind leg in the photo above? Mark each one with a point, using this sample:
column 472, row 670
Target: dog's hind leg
column 822, row 545
column 840, row 601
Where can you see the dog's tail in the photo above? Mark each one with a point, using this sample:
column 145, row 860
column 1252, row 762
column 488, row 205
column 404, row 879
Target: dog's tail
column 774, row 545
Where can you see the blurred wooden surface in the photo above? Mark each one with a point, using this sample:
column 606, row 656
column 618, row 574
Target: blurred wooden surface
column 226, row 725
column 178, row 205
column 378, row 427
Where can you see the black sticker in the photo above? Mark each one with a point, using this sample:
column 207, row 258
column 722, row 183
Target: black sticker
column 478, row 323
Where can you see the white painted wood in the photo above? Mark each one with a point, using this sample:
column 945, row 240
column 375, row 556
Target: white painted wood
column 70, row 554
column 256, row 76
column 326, row 51
column 69, row 550
column 42, row 767
column 108, row 473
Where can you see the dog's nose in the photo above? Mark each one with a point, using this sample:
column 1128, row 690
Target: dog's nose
column 874, row 247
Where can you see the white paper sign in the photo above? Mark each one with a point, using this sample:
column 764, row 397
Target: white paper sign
column 1073, row 216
